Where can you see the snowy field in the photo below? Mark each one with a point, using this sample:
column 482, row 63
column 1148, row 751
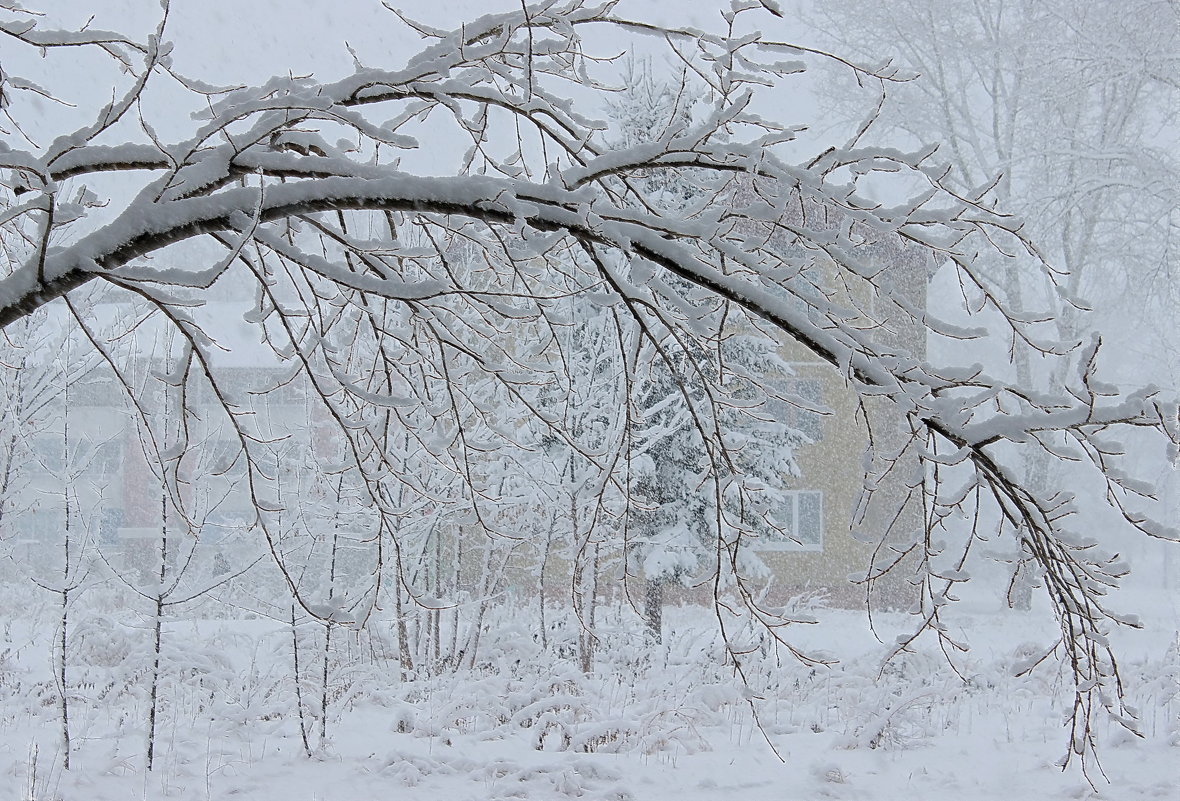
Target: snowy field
column 650, row 723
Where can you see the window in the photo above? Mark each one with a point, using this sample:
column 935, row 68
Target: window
column 109, row 523
column 798, row 523
column 41, row 525
column 102, row 392
column 48, row 456
column 222, row 454
column 105, row 460
column 97, row 459
column 804, row 392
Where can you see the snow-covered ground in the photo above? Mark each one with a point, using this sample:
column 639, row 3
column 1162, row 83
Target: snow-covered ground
column 650, row 723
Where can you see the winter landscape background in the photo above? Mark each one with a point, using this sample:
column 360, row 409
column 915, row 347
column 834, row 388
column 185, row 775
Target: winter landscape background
column 625, row 401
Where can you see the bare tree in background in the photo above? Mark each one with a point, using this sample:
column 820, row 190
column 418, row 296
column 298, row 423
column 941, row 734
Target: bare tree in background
column 1070, row 111
column 472, row 271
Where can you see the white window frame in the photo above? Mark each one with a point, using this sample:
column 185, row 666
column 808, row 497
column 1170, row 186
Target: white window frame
column 799, row 392
column 788, row 517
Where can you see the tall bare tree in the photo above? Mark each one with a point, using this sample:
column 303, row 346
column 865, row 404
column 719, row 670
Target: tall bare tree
column 1070, row 111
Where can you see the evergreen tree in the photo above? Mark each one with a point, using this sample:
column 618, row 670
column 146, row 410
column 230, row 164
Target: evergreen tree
column 680, row 519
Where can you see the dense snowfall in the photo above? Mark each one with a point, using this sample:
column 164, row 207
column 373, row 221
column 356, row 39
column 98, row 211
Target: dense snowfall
column 589, row 399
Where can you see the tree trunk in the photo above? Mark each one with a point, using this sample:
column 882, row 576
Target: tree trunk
column 541, row 586
column 62, row 678
column 65, row 596
column 589, row 609
column 403, row 636
column 158, row 633
column 298, row 685
column 653, row 610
